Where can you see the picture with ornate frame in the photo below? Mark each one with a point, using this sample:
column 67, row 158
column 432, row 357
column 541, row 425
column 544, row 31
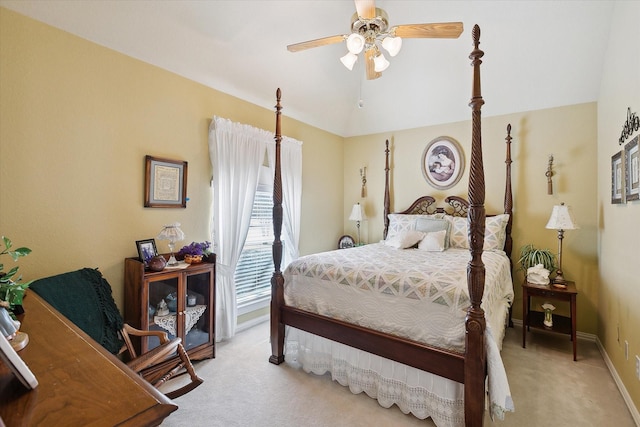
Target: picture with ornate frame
column 617, row 177
column 165, row 183
column 146, row 249
column 443, row 162
column 632, row 170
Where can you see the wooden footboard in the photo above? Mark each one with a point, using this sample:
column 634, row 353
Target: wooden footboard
column 469, row 367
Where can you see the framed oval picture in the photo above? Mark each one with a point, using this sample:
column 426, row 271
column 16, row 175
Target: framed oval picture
column 443, row 162
column 346, row 242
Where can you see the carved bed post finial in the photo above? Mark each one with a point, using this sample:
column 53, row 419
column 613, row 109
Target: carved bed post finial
column 277, row 280
column 387, row 203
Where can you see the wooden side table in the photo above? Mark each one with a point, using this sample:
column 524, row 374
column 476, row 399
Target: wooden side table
column 534, row 319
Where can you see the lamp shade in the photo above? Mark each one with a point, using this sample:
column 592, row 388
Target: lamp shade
column 349, row 60
column 357, row 213
column 355, row 43
column 171, row 232
column 562, row 218
column 392, row 45
column 380, row 63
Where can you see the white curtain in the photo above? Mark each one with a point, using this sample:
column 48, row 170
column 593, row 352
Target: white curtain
column 291, row 173
column 236, row 153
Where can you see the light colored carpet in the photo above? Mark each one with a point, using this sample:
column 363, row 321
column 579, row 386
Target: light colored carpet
column 243, row 389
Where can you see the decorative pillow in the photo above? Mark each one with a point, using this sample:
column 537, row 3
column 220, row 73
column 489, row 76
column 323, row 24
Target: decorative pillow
column 428, row 225
column 405, row 239
column 459, row 235
column 404, row 222
column 495, row 232
column 434, row 241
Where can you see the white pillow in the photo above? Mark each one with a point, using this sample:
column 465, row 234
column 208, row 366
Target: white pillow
column 495, row 232
column 429, row 225
column 434, row 241
column 405, row 239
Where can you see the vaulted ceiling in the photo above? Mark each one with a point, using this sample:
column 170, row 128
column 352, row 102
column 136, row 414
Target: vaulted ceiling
column 538, row 54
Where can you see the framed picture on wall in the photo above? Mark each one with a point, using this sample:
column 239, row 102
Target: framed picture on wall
column 617, row 177
column 631, row 170
column 165, row 183
column 443, row 162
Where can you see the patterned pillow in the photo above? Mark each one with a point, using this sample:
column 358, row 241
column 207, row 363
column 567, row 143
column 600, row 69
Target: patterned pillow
column 495, row 232
column 404, row 222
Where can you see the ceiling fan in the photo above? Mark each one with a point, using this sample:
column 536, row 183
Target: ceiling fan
column 370, row 30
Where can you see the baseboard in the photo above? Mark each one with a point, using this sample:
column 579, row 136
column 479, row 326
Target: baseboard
column 252, row 322
column 614, row 374
column 623, row 390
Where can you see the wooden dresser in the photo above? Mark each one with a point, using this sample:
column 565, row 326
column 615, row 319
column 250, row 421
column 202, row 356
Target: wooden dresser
column 80, row 383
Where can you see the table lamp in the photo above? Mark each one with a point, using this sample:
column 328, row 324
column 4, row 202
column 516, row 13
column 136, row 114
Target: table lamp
column 173, row 234
column 357, row 215
column 561, row 219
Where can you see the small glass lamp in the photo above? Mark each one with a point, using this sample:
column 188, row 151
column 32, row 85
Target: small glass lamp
column 561, row 219
column 357, row 215
column 173, row 234
column 380, row 63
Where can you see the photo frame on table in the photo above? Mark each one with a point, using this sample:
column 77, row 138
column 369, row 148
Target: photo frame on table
column 165, row 183
column 16, row 365
column 146, row 249
column 443, row 162
column 617, row 178
column 632, row 170
column 345, row 242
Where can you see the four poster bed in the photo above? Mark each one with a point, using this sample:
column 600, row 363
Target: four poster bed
column 412, row 326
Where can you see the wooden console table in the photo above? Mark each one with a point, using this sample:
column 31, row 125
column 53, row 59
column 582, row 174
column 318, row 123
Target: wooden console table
column 80, row 383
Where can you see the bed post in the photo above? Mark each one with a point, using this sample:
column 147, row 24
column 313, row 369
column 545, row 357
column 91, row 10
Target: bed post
column 474, row 365
column 277, row 280
column 387, row 202
column 508, row 195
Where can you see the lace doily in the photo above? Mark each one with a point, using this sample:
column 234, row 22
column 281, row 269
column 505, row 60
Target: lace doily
column 191, row 317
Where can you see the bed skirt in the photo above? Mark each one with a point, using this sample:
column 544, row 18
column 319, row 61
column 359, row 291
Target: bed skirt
column 414, row 391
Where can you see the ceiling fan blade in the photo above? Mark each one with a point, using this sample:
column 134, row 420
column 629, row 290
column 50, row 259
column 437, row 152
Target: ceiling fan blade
column 366, row 8
column 315, row 43
column 372, row 74
column 443, row 30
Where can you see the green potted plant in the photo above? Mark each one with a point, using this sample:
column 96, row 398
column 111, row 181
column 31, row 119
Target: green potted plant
column 11, row 288
column 530, row 256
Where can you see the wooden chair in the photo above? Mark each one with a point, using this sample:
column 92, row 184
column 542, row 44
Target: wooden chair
column 85, row 298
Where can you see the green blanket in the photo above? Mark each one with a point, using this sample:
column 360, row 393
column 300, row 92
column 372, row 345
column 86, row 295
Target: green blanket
column 85, row 298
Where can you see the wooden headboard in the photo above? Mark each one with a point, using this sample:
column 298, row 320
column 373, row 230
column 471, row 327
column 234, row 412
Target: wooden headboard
column 455, row 205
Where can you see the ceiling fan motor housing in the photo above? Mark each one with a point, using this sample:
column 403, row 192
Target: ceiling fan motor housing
column 370, row 29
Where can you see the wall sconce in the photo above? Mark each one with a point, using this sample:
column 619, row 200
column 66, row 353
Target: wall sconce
column 363, row 176
column 549, row 174
column 561, row 219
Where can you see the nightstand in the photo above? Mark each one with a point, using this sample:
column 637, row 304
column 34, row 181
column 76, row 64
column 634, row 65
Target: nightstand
column 534, row 319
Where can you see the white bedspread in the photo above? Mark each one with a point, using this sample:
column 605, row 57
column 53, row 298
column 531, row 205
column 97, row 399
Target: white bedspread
column 410, row 293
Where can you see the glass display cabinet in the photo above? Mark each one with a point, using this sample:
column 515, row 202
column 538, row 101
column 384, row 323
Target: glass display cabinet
column 177, row 300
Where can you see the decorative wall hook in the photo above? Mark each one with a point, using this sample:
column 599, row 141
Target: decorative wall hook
column 549, row 174
column 363, row 175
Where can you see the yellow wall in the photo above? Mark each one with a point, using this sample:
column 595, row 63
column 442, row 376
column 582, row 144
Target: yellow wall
column 77, row 119
column 569, row 133
column 619, row 225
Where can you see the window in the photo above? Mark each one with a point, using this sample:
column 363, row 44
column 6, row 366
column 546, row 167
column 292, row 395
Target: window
column 255, row 266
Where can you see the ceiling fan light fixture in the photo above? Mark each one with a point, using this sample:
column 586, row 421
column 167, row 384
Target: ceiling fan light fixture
column 392, row 45
column 380, row 63
column 349, row 60
column 355, row 43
